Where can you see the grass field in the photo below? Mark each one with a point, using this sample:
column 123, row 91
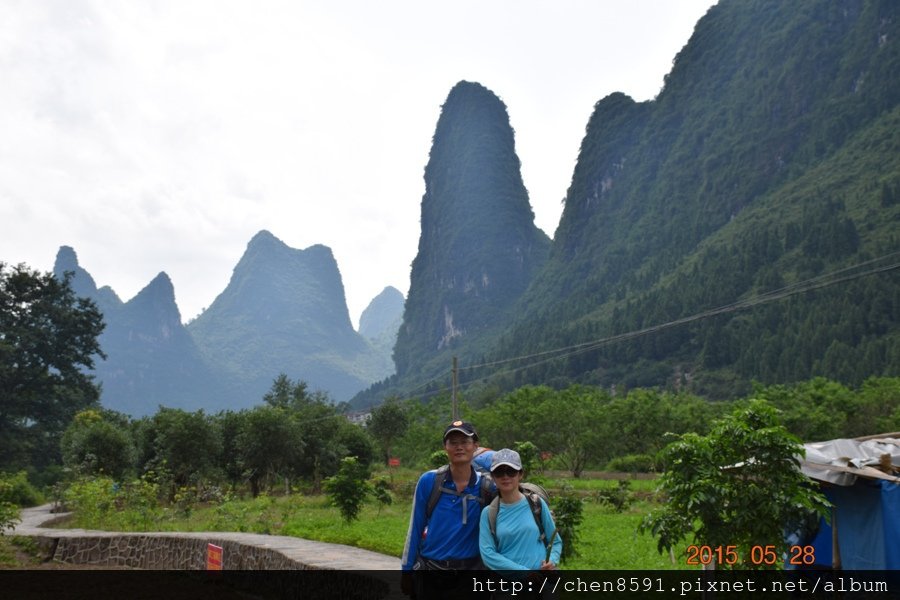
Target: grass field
column 608, row 539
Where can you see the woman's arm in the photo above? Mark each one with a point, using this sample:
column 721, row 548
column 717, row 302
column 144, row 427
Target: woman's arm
column 549, row 529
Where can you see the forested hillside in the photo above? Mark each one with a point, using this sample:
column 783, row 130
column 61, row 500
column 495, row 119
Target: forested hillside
column 741, row 226
column 771, row 157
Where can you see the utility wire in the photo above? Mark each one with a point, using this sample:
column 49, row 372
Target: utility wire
column 828, row 279
column 808, row 285
column 765, row 297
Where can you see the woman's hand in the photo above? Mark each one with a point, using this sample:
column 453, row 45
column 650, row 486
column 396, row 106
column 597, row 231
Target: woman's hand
column 547, row 565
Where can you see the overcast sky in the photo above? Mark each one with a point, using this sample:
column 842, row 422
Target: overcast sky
column 162, row 135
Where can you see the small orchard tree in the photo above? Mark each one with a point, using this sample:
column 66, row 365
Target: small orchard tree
column 388, row 423
column 349, row 489
column 735, row 490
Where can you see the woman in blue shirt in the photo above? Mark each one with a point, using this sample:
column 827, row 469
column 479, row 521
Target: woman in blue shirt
column 518, row 544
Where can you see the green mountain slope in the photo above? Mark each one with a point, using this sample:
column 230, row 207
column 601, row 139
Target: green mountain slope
column 770, row 157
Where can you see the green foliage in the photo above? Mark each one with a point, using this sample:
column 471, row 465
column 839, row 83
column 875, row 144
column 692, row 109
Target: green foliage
column 16, row 489
column 99, row 502
column 349, row 488
column 269, row 445
column 381, row 490
column 93, row 445
column 530, row 457
column 738, row 486
column 184, row 447
column 568, row 514
column 48, row 342
column 92, row 499
column 633, row 463
column 437, row 459
column 388, row 423
column 618, row 498
column 9, row 510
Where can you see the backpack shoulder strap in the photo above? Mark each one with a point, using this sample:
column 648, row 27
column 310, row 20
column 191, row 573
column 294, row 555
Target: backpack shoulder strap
column 534, row 502
column 493, row 510
column 488, row 491
column 436, row 490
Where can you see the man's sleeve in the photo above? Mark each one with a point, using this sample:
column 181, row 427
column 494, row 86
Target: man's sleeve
column 417, row 521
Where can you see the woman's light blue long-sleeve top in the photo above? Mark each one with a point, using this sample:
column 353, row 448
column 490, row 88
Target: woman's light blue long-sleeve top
column 518, row 545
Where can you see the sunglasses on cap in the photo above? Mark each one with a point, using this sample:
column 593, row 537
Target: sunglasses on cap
column 505, row 471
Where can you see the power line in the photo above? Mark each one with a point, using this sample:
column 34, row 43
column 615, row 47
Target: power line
column 826, row 280
column 779, row 294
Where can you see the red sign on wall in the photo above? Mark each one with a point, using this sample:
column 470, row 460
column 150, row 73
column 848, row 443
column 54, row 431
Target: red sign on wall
column 213, row 557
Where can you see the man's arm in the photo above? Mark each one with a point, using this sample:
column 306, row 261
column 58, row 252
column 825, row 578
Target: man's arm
column 417, row 520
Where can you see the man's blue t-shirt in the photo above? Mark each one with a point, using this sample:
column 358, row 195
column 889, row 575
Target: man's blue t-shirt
column 449, row 535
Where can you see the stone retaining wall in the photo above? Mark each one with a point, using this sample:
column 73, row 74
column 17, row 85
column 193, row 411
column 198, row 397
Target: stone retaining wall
column 188, row 550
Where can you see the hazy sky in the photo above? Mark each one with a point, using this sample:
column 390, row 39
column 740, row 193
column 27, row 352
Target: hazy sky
column 162, row 135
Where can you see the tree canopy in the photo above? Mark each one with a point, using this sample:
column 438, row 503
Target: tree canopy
column 736, row 490
column 48, row 343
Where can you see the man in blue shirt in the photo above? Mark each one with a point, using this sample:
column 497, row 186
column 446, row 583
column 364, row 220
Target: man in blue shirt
column 443, row 526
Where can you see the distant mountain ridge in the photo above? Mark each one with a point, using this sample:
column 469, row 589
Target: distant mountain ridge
column 381, row 320
column 283, row 311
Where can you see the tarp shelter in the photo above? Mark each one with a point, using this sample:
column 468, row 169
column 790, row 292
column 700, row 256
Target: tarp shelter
column 859, row 477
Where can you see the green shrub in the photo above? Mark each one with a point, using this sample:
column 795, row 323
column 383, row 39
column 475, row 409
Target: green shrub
column 568, row 513
column 437, row 459
column 381, row 490
column 92, row 499
column 618, row 498
column 16, row 489
column 633, row 463
column 349, row 488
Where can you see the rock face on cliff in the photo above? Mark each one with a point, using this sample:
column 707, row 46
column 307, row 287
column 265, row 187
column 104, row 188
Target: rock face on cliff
column 479, row 247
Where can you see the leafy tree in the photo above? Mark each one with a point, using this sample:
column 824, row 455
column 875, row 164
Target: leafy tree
column 186, row 446
column 93, row 445
column 349, row 488
column 48, row 340
column 739, row 486
column 231, row 425
column 269, row 444
column 355, row 442
column 570, row 427
column 388, row 423
column 285, row 393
